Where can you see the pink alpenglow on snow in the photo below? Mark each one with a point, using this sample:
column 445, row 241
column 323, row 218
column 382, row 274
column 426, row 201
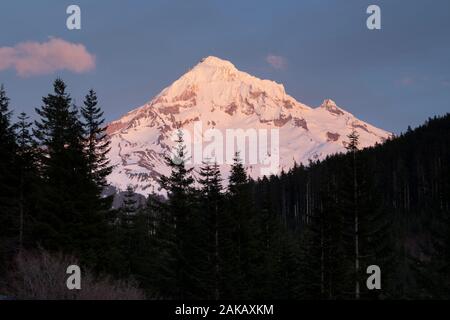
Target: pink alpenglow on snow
column 34, row 58
column 214, row 99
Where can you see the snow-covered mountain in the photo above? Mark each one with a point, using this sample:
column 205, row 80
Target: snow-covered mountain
column 216, row 95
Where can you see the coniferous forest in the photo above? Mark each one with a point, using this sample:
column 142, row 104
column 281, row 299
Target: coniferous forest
column 309, row 233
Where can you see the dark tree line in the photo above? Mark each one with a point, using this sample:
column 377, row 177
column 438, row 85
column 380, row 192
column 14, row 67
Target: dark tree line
column 386, row 206
column 309, row 233
column 52, row 177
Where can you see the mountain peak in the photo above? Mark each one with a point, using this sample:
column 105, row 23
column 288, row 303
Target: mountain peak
column 332, row 107
column 328, row 103
column 215, row 81
column 213, row 61
column 216, row 95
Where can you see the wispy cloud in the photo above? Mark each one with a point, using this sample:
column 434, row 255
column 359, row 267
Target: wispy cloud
column 446, row 83
column 277, row 62
column 35, row 58
column 407, row 81
column 426, row 80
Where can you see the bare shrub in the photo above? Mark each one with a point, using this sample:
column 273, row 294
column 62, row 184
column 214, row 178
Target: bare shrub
column 40, row 275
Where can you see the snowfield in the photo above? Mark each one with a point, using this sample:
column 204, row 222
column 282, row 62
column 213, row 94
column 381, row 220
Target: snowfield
column 221, row 97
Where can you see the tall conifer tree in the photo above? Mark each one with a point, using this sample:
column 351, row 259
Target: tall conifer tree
column 97, row 144
column 212, row 205
column 71, row 216
column 8, row 182
column 180, row 226
column 241, row 214
column 28, row 175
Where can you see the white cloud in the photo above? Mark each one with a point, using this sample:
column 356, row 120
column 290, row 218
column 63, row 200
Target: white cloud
column 34, row 58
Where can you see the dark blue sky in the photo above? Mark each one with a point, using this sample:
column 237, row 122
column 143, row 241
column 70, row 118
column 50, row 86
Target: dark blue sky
column 392, row 78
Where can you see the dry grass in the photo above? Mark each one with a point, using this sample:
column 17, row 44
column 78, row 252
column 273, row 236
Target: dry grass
column 40, row 275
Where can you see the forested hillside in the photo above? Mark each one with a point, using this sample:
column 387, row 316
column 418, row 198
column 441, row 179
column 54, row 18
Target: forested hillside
column 400, row 193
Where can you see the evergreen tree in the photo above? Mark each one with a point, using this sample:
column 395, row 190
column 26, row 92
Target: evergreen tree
column 6, row 128
column 352, row 147
column 366, row 231
column 275, row 267
column 145, row 244
column 211, row 205
column 28, row 176
column 440, row 267
column 243, row 247
column 8, row 182
column 322, row 271
column 435, row 273
column 180, row 225
column 97, row 144
column 71, row 217
column 127, row 228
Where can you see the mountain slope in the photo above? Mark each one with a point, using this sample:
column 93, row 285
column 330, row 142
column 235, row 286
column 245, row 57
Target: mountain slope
column 216, row 95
